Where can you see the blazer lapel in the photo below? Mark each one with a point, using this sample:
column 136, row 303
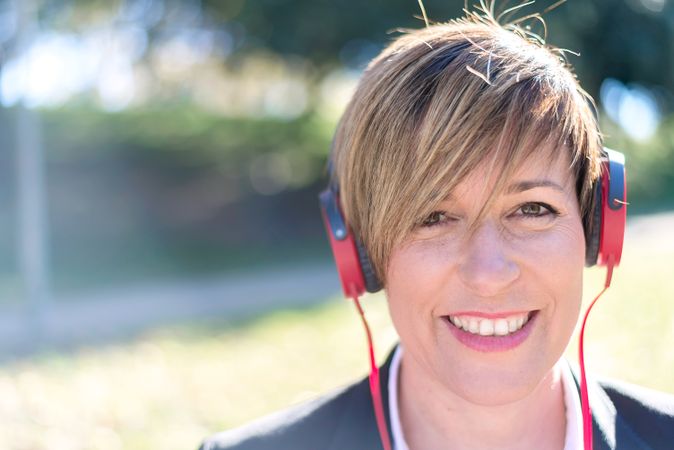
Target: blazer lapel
column 609, row 431
column 603, row 416
column 357, row 429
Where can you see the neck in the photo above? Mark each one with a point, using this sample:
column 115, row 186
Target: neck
column 433, row 417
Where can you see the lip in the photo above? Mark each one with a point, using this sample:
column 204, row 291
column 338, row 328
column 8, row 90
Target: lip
column 492, row 343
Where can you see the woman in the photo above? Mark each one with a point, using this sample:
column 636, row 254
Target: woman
column 466, row 164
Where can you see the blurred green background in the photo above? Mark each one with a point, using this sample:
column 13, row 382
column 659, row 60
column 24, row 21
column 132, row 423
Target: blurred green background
column 163, row 267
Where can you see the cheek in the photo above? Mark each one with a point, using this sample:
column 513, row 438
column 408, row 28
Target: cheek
column 558, row 265
column 556, row 253
column 416, row 277
column 415, row 272
column 568, row 254
column 402, row 295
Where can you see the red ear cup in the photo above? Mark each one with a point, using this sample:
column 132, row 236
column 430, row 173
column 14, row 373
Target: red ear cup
column 614, row 209
column 607, row 231
column 344, row 247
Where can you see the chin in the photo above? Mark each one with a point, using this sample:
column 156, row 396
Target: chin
column 494, row 379
column 494, row 389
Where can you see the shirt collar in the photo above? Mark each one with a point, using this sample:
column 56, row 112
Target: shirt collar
column 574, row 424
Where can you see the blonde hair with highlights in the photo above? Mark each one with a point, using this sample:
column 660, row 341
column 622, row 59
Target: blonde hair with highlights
column 441, row 100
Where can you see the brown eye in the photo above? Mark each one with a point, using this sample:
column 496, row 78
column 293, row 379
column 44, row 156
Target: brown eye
column 434, row 218
column 532, row 209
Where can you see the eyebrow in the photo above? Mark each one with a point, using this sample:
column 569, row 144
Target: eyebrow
column 522, row 186
column 532, row 184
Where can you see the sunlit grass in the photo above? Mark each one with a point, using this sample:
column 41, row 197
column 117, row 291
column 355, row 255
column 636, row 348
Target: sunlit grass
column 631, row 329
column 171, row 388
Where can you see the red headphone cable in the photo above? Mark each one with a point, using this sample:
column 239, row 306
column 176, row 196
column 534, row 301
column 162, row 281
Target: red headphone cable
column 584, row 400
column 375, row 386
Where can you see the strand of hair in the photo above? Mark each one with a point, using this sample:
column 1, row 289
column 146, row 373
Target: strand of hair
column 553, row 6
column 475, row 44
column 481, row 75
column 537, row 17
column 430, row 21
column 522, row 19
column 423, row 11
column 513, row 9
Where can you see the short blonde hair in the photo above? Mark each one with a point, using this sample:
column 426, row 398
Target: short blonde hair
column 438, row 102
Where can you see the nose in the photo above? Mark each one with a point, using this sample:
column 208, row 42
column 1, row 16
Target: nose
column 486, row 266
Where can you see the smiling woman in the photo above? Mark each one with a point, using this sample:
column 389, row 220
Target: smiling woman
column 470, row 170
column 478, row 314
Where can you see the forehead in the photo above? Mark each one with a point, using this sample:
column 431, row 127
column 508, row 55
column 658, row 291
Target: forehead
column 546, row 168
column 553, row 164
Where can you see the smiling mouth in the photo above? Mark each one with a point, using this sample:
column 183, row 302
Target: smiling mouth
column 482, row 326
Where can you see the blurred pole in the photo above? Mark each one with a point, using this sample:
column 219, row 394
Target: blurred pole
column 32, row 224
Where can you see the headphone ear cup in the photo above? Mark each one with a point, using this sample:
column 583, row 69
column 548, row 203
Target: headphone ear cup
column 614, row 209
column 372, row 283
column 347, row 251
column 593, row 227
column 606, row 231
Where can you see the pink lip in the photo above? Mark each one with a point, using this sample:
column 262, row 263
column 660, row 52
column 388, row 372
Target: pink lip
column 492, row 343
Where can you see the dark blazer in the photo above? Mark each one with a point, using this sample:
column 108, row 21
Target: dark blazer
column 626, row 417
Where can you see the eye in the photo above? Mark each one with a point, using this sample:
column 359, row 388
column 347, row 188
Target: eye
column 535, row 210
column 434, row 218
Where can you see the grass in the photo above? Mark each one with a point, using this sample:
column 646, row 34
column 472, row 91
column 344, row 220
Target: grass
column 170, row 388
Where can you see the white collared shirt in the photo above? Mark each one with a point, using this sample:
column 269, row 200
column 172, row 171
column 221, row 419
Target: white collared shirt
column 574, row 424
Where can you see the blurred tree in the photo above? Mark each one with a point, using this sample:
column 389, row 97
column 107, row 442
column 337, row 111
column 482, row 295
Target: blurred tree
column 629, row 40
column 625, row 40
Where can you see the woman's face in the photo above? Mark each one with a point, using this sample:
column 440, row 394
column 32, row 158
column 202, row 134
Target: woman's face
column 486, row 315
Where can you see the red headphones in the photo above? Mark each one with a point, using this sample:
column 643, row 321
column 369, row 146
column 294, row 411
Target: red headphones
column 604, row 235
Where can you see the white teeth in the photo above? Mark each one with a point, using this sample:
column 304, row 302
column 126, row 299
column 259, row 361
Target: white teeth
column 501, row 327
column 486, row 327
column 490, row 327
column 464, row 323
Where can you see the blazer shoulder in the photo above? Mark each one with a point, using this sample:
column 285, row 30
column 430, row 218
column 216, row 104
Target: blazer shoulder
column 628, row 396
column 309, row 425
column 649, row 413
